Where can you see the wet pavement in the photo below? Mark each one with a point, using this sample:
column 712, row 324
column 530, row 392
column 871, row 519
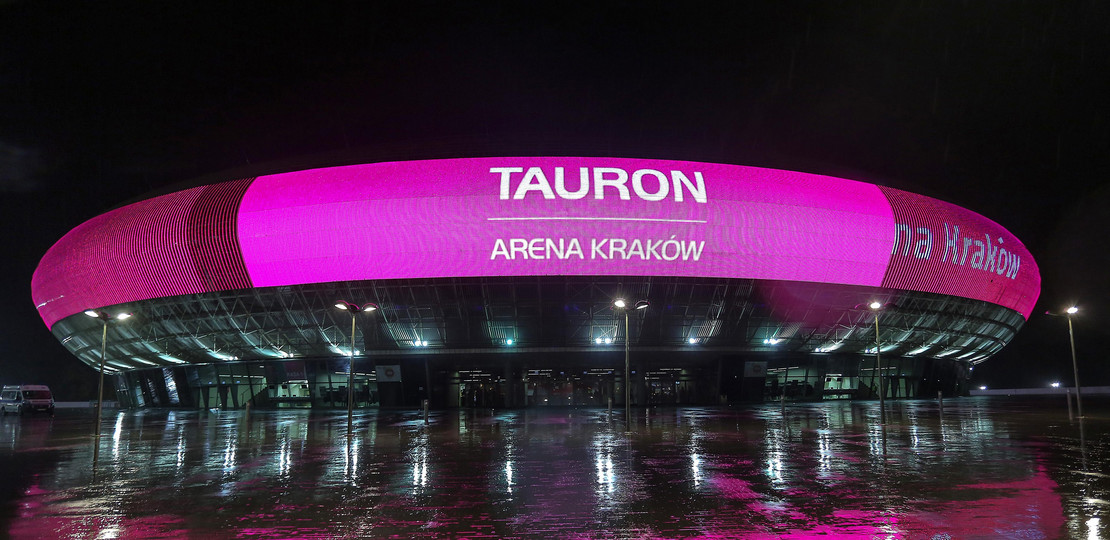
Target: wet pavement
column 989, row 468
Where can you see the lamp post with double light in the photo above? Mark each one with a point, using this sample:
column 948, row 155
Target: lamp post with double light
column 105, row 318
column 622, row 305
column 354, row 310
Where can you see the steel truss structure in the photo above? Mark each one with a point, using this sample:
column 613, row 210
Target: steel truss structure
column 549, row 314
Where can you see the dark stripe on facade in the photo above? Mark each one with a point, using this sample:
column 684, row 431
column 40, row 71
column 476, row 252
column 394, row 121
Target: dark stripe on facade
column 214, row 239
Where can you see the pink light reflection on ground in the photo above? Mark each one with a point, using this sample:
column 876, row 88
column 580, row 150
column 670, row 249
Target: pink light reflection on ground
column 151, row 491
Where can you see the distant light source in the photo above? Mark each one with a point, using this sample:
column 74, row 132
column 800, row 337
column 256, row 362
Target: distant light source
column 772, row 341
column 875, row 305
column 608, row 341
column 692, row 341
column 1056, row 385
column 508, row 342
column 597, row 340
column 619, row 302
column 982, row 387
column 1073, row 310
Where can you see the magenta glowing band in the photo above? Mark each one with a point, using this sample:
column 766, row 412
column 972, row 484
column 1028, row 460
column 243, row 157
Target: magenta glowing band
column 532, row 216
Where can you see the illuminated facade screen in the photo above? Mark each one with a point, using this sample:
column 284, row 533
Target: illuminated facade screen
column 538, row 218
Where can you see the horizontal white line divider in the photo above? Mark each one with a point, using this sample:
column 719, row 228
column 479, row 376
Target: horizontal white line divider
column 594, row 219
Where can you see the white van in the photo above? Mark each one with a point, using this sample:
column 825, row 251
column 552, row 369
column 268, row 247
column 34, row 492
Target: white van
column 26, row 398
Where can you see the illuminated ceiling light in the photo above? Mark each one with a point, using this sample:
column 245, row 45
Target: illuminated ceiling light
column 692, row 341
column 369, row 307
column 597, row 340
column 772, row 341
column 91, row 313
column 619, row 302
column 343, row 306
column 1056, row 385
column 508, row 342
column 608, row 341
column 875, row 305
column 642, row 304
column 123, row 316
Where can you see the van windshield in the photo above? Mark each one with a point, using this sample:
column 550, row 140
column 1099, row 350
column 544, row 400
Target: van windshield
column 36, row 394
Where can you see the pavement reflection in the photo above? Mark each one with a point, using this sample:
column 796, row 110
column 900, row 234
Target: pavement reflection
column 988, row 468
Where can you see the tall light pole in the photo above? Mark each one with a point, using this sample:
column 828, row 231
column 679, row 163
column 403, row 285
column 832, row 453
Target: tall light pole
column 620, row 304
column 877, row 306
column 104, row 319
column 354, row 310
column 1074, row 365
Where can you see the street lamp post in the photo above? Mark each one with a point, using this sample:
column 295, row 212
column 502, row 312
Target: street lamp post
column 876, row 307
column 1074, row 365
column 354, row 310
column 621, row 305
column 104, row 319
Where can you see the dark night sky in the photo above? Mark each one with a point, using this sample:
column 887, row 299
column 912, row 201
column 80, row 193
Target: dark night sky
column 999, row 107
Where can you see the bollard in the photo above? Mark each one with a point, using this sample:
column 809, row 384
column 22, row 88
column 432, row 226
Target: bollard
column 425, row 411
column 1067, row 392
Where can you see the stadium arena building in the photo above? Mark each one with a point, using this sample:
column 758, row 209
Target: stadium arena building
column 493, row 281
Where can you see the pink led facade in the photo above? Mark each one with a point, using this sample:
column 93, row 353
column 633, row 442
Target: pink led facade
column 532, row 216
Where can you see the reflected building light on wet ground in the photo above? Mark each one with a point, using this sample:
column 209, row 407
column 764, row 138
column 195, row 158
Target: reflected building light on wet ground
column 229, row 455
column 695, row 469
column 1092, row 529
column 603, row 462
column 875, row 440
column 824, row 453
column 606, row 477
column 180, row 450
column 350, row 459
column 509, row 476
column 284, row 461
column 775, row 454
column 419, row 456
column 116, row 435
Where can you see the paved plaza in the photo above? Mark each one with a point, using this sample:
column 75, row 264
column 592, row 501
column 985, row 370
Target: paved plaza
column 985, row 468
